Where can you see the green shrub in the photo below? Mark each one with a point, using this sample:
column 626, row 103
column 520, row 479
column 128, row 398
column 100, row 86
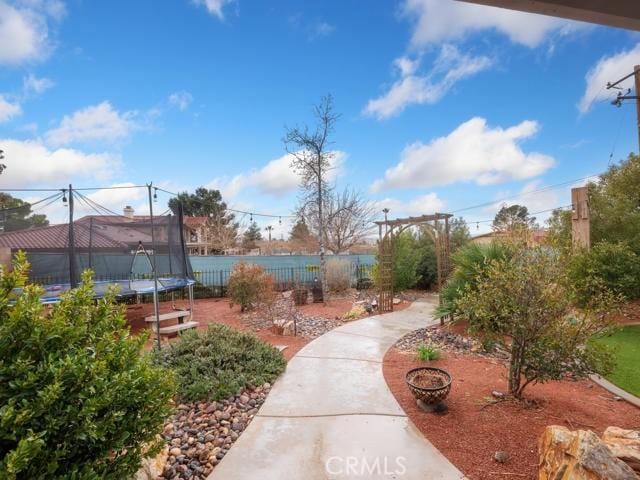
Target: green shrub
column 470, row 263
column 523, row 303
column 77, row 398
column 248, row 285
column 611, row 266
column 219, row 362
column 405, row 262
column 426, row 353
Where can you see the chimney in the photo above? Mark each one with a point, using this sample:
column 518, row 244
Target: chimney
column 128, row 212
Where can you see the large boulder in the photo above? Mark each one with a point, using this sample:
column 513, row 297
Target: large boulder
column 152, row 467
column 579, row 455
column 624, row 444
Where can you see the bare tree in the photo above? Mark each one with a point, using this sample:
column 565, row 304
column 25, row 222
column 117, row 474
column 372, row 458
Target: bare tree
column 221, row 233
column 310, row 149
column 348, row 218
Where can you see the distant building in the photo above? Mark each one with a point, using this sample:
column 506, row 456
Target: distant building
column 536, row 236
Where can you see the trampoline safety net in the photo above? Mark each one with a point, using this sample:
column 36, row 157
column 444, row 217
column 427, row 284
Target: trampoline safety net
column 120, row 250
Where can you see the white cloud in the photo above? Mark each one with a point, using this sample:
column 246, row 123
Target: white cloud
column 30, row 162
column 322, row 29
column 24, row 29
column 276, row 178
column 95, row 123
column 214, row 7
column 421, row 205
column 181, row 100
column 32, row 85
column 449, row 67
column 472, row 152
column 8, row 110
column 608, row 69
column 448, row 20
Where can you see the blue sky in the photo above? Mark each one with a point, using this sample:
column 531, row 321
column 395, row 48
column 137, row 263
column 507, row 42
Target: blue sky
column 443, row 104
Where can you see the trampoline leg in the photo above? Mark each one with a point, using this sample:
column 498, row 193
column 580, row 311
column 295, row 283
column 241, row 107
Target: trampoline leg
column 190, row 302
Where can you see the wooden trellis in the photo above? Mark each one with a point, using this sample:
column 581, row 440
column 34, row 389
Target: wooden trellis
column 436, row 225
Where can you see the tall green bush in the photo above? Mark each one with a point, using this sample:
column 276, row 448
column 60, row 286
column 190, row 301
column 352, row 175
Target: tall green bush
column 524, row 303
column 611, row 266
column 470, row 264
column 77, row 398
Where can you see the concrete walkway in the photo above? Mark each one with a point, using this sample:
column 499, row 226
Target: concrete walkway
column 331, row 415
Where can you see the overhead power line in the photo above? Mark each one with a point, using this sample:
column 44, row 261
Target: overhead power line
column 523, row 194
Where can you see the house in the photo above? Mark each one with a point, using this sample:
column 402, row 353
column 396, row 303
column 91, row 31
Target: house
column 105, row 243
column 196, row 236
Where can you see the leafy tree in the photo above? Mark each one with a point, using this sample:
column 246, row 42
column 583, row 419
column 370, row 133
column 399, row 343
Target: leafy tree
column 221, row 228
column 312, row 159
column 524, row 303
column 301, row 238
column 607, row 266
column 459, row 233
column 15, row 214
column 406, row 259
column 614, row 204
column 512, row 218
column 559, row 228
column 78, row 399
column 250, row 236
column 300, row 231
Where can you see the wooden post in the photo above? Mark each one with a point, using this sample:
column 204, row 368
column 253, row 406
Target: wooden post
column 636, row 71
column 580, row 221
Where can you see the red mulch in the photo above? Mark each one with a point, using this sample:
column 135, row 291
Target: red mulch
column 469, row 434
column 629, row 313
column 218, row 310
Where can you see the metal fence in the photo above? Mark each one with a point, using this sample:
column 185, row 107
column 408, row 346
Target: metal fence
column 213, row 283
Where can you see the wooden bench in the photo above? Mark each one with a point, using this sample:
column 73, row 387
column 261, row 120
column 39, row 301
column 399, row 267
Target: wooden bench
column 180, row 315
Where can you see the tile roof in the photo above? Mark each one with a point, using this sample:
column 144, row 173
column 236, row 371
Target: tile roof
column 109, row 232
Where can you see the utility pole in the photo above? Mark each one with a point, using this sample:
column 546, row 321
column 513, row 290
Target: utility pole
column 620, row 97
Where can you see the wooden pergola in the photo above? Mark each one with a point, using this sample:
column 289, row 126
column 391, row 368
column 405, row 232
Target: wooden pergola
column 437, row 226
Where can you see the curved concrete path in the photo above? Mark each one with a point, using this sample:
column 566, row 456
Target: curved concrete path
column 332, row 416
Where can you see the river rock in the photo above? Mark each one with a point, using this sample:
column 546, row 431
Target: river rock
column 578, row 455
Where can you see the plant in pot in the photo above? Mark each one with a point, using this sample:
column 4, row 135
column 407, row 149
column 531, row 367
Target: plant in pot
column 429, row 386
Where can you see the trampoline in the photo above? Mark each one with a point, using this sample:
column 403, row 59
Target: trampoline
column 140, row 254
column 127, row 288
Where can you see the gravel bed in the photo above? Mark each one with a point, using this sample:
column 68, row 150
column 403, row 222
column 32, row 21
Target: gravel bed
column 444, row 340
column 200, row 434
column 283, row 311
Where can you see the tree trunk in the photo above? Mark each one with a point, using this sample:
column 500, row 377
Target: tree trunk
column 323, row 266
column 514, row 370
